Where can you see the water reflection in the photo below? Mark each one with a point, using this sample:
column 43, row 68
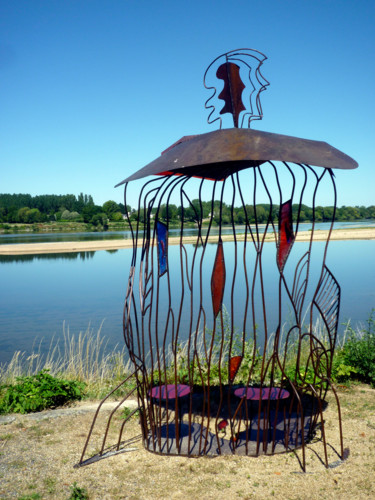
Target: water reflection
column 6, row 259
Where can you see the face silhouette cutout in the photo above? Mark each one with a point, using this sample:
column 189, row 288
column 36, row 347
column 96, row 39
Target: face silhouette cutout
column 236, row 88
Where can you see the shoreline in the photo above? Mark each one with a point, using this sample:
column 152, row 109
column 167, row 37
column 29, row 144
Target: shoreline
column 89, row 246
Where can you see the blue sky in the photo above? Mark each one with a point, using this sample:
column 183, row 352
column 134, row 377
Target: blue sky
column 91, row 91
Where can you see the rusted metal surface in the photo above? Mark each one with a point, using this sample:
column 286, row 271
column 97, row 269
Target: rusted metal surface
column 218, row 154
column 226, row 360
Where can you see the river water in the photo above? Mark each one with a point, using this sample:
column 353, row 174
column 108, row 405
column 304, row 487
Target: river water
column 41, row 294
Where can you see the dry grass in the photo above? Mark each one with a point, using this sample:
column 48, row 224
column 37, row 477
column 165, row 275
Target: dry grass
column 38, row 457
column 84, row 357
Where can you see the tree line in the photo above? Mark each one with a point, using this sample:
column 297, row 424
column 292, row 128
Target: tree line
column 27, row 209
column 261, row 213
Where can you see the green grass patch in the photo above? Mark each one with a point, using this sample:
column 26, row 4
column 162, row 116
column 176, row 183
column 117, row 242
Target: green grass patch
column 38, row 392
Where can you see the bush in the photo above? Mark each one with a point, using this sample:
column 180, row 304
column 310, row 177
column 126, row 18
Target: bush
column 38, row 392
column 341, row 371
column 358, row 352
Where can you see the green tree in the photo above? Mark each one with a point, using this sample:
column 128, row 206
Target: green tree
column 117, row 217
column 261, row 214
column 110, row 207
column 33, row 215
column 319, row 211
column 65, row 215
column 83, row 200
column 100, row 219
column 89, row 211
column 239, row 216
column 168, row 215
column 22, row 214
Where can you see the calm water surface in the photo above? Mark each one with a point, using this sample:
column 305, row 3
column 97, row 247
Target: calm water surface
column 41, row 293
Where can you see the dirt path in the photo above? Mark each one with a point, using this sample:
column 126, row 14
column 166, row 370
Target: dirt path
column 87, row 246
column 37, row 458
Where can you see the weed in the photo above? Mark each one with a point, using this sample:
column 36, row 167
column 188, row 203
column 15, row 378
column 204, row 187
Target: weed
column 50, row 484
column 39, row 432
column 126, row 412
column 5, row 437
column 33, row 496
column 77, row 493
column 17, row 464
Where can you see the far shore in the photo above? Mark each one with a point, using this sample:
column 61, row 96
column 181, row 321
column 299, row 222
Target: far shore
column 89, row 246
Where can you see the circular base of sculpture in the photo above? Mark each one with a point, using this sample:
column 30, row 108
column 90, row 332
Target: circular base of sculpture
column 257, row 421
column 252, row 440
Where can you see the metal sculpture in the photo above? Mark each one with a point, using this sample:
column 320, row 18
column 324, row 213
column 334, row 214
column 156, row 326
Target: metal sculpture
column 221, row 325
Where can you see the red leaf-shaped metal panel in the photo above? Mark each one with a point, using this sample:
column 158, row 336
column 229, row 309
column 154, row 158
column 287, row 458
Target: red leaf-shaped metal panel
column 232, row 91
column 218, row 279
column 234, row 365
column 286, row 235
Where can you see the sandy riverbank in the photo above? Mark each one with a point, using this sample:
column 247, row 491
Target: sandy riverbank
column 89, row 246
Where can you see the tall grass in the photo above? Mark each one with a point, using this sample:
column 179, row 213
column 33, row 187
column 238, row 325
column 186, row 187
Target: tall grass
column 223, row 345
column 84, row 357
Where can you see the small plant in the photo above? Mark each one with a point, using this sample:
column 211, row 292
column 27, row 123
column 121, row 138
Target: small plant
column 50, row 484
column 77, row 493
column 38, row 392
column 5, row 437
column 341, row 370
column 126, row 412
column 359, row 351
column 33, row 496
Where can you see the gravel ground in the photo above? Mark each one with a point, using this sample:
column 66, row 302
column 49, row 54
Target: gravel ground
column 38, row 453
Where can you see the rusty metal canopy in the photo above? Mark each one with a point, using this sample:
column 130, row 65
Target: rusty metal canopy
column 217, row 154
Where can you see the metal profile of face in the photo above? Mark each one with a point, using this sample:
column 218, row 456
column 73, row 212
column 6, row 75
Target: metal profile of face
column 242, row 84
